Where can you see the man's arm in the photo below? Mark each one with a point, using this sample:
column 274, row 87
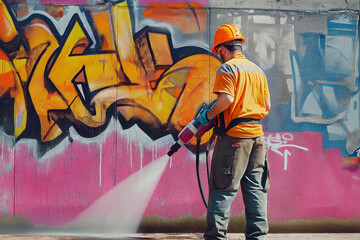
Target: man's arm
column 222, row 103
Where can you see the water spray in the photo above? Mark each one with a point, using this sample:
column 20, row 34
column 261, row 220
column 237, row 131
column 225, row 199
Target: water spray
column 111, row 214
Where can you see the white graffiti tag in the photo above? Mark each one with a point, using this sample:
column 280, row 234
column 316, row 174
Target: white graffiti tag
column 277, row 142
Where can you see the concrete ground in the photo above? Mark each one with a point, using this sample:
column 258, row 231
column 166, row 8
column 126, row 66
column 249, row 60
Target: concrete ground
column 163, row 236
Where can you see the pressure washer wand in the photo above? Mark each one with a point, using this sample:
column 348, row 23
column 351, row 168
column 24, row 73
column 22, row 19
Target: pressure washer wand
column 174, row 149
column 194, row 128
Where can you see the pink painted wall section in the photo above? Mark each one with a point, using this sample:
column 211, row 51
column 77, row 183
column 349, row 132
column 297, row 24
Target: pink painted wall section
column 314, row 185
column 54, row 192
column 6, row 180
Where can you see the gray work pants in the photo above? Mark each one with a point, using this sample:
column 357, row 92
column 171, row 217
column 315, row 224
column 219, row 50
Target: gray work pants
column 238, row 161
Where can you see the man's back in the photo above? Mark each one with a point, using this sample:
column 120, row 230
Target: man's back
column 247, row 83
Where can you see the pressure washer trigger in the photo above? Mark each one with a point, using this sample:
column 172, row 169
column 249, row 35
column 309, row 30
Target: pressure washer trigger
column 200, row 109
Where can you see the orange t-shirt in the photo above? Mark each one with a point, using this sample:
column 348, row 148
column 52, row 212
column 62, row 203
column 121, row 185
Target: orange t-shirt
column 247, row 83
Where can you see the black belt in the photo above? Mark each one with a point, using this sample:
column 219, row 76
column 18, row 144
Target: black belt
column 221, row 130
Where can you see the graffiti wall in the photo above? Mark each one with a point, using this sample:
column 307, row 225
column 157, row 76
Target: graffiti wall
column 94, row 92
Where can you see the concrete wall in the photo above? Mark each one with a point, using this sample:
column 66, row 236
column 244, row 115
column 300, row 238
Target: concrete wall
column 93, row 93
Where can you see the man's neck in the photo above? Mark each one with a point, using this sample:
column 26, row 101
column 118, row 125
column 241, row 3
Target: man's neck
column 235, row 55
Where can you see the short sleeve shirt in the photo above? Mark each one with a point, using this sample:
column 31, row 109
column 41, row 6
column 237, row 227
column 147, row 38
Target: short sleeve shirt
column 247, row 83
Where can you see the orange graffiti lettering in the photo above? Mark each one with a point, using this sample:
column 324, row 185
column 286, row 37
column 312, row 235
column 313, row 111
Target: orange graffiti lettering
column 188, row 17
column 71, row 82
column 8, row 31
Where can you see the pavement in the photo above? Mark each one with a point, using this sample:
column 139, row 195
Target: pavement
column 163, row 236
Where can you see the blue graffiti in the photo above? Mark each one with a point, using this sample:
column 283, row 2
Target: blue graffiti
column 326, row 83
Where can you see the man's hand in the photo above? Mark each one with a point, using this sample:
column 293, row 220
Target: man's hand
column 203, row 117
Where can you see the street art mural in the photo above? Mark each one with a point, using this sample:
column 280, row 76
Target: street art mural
column 93, row 92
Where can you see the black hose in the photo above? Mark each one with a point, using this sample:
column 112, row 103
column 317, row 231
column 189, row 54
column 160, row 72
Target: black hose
column 198, row 171
column 212, row 138
column 207, row 167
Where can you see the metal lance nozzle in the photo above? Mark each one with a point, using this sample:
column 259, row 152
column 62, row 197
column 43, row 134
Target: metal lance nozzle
column 174, row 149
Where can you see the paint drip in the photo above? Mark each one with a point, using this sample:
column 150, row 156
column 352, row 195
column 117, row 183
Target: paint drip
column 119, row 211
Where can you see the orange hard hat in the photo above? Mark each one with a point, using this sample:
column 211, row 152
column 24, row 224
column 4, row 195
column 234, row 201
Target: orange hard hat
column 226, row 33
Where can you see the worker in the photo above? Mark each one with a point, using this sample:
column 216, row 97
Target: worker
column 240, row 153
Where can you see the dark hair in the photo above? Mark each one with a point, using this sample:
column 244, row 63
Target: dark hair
column 233, row 48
